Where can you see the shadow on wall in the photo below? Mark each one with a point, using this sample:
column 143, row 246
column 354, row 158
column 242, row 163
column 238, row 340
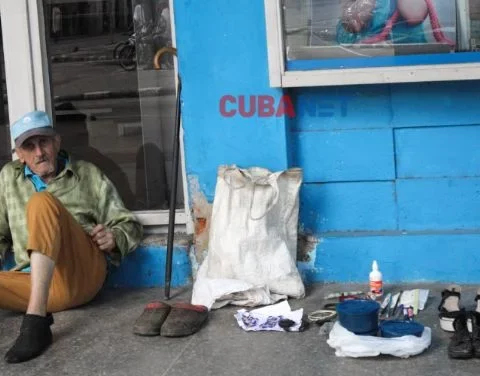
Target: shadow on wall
column 73, row 129
column 5, row 150
column 150, row 182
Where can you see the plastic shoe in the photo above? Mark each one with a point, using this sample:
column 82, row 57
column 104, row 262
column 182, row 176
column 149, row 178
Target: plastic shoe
column 184, row 319
column 152, row 319
column 448, row 317
column 460, row 346
column 475, row 317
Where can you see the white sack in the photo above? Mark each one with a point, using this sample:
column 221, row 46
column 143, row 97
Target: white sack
column 253, row 239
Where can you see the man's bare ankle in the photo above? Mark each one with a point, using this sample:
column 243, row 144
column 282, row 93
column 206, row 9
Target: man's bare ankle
column 38, row 312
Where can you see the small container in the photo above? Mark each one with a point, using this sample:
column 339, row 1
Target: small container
column 376, row 281
column 399, row 328
column 359, row 316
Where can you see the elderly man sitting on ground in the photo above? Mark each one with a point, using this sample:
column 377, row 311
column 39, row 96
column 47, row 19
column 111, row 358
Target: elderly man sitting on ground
column 65, row 222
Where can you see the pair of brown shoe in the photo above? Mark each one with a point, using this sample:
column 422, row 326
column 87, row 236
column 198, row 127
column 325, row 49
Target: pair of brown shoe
column 175, row 320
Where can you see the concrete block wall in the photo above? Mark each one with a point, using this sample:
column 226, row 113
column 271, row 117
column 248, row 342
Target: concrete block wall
column 146, row 267
column 392, row 172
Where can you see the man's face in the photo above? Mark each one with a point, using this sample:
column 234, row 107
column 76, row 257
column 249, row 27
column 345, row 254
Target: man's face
column 39, row 153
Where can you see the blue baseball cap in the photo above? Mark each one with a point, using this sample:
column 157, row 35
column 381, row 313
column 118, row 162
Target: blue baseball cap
column 35, row 123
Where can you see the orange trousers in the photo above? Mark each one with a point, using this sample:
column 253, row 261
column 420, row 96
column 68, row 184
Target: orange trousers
column 80, row 266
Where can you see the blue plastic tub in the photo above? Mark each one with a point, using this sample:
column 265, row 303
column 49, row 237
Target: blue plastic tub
column 359, row 316
column 398, row 328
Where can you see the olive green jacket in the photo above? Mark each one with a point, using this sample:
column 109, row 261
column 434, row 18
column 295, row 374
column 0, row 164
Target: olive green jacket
column 84, row 191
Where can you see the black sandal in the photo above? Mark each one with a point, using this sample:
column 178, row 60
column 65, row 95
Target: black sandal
column 447, row 317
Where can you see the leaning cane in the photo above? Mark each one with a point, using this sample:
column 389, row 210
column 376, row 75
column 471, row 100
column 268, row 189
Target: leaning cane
column 173, row 184
column 173, row 195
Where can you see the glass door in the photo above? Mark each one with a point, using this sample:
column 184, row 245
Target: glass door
column 5, row 146
column 111, row 105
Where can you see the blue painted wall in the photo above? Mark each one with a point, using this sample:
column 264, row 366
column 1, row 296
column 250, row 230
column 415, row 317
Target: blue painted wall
column 222, row 51
column 391, row 172
column 146, row 268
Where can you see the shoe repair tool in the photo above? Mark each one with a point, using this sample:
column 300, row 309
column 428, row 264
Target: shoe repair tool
column 385, row 304
column 391, row 310
column 342, row 298
column 396, row 303
column 416, row 301
column 173, row 184
column 339, row 294
column 398, row 315
column 321, row 316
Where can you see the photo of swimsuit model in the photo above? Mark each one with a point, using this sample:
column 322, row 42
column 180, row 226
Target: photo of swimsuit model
column 322, row 29
column 397, row 21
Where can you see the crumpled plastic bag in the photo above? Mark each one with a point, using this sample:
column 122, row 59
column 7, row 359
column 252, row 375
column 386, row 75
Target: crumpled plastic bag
column 348, row 344
column 270, row 318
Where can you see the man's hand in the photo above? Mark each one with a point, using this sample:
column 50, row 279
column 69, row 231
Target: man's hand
column 104, row 238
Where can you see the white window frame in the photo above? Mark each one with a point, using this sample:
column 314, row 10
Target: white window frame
column 28, row 87
column 279, row 77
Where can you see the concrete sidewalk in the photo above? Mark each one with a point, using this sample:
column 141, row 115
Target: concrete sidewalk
column 97, row 340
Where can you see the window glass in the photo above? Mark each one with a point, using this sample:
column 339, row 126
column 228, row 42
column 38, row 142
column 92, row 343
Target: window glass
column 111, row 106
column 349, row 33
column 5, row 147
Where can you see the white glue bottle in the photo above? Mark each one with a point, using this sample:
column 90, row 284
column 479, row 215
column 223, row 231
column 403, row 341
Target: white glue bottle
column 376, row 283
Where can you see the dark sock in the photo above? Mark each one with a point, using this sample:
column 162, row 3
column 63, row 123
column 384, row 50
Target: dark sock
column 34, row 338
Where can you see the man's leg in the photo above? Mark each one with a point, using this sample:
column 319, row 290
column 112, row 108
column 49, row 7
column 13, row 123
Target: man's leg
column 41, row 276
column 67, row 270
column 80, row 267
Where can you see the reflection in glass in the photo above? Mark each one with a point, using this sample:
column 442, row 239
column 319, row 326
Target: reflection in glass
column 324, row 29
column 474, row 6
column 5, row 148
column 111, row 106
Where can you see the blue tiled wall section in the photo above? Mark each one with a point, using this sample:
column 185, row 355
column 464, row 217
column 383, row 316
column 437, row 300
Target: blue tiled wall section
column 365, row 206
column 345, row 155
column 438, row 152
column 439, row 204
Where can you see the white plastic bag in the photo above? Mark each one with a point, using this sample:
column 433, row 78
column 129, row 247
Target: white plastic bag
column 350, row 344
column 253, row 239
